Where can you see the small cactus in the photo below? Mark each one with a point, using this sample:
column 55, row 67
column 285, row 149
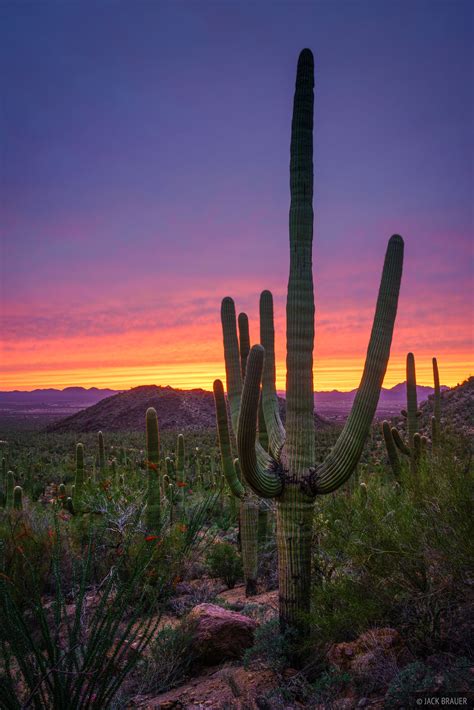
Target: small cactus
column 153, row 503
column 79, row 480
column 436, row 419
column 10, row 489
column 101, row 453
column 17, row 498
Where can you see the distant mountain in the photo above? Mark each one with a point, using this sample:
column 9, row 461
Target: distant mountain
column 179, row 410
column 69, row 395
column 398, row 393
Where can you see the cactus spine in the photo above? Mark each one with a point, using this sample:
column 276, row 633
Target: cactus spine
column 290, row 474
column 153, row 507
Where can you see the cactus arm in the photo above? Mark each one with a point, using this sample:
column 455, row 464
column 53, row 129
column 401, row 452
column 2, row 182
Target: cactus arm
column 412, row 404
column 391, row 448
column 258, row 469
column 224, row 441
column 400, row 443
column 300, row 434
column 244, row 341
column 340, row 463
column 232, row 359
column 269, row 400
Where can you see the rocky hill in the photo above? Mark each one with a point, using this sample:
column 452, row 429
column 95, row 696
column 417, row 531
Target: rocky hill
column 181, row 410
column 457, row 407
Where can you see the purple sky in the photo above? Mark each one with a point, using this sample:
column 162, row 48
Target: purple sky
column 144, row 176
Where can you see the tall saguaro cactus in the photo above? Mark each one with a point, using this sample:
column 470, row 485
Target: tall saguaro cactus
column 153, row 500
column 436, row 419
column 100, row 437
column 249, row 508
column 288, row 473
column 79, row 479
column 416, row 444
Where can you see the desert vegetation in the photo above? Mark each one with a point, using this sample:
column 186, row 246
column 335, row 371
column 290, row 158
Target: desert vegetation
column 254, row 564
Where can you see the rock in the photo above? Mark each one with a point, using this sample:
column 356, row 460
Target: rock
column 220, row 634
column 376, row 653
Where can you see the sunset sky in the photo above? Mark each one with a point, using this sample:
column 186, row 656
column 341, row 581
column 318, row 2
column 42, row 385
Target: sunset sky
column 145, row 176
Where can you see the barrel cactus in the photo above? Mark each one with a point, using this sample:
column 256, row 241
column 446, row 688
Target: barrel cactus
column 288, row 472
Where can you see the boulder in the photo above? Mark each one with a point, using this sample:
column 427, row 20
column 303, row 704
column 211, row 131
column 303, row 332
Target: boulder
column 219, row 634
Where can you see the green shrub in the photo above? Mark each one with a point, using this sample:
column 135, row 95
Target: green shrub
column 271, row 647
column 224, row 563
column 399, row 555
column 171, row 660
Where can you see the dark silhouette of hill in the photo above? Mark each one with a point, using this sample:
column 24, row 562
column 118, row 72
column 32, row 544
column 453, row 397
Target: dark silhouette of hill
column 177, row 409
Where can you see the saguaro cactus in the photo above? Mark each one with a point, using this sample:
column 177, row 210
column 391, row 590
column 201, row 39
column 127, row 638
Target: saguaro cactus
column 436, row 419
column 180, row 470
column 101, row 453
column 289, row 473
column 79, row 479
column 416, row 444
column 18, row 498
column 249, row 509
column 153, row 502
column 10, row 488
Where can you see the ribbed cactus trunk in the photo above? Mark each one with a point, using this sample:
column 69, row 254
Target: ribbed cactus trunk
column 249, row 543
column 295, row 508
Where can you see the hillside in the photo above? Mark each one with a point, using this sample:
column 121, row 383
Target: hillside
column 457, row 407
column 181, row 410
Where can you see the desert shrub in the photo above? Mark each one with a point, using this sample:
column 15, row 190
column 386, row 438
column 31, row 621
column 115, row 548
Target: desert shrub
column 170, row 659
column 419, row 679
column 26, row 541
column 396, row 555
column 271, row 648
column 71, row 655
column 224, row 563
